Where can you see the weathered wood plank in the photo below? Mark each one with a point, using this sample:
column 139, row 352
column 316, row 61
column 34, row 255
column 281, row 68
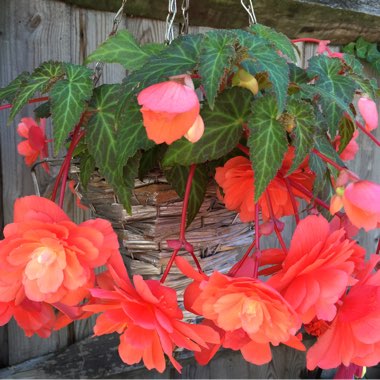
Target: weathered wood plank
column 339, row 21
column 97, row 357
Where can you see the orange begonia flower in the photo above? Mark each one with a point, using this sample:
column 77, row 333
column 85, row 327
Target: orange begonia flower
column 45, row 257
column 361, row 202
column 35, row 145
column 317, row 269
column 171, row 110
column 252, row 314
column 32, row 317
column 354, row 335
column 368, row 110
column 149, row 320
column 236, row 178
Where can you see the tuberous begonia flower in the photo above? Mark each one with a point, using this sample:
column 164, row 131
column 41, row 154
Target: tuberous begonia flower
column 324, row 48
column 147, row 316
column 171, row 110
column 252, row 314
column 45, row 257
column 33, row 317
column 361, row 203
column 354, row 335
column 236, row 178
column 35, row 145
column 368, row 110
column 317, row 269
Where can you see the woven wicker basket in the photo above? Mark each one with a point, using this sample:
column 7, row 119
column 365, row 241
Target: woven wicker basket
column 217, row 235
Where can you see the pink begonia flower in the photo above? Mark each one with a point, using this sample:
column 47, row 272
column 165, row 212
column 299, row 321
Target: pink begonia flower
column 171, row 110
column 349, row 152
column 361, row 202
column 323, row 48
column 35, row 145
column 368, row 110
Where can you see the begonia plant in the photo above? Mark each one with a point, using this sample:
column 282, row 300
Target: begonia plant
column 229, row 106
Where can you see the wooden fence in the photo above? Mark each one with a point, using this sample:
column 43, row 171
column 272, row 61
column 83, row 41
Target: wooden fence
column 33, row 31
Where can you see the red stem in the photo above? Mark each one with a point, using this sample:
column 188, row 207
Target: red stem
column 311, row 40
column 378, row 247
column 293, row 201
column 328, row 160
column 182, row 237
column 370, row 135
column 241, row 262
column 311, row 196
column 243, row 148
column 278, row 233
column 36, row 100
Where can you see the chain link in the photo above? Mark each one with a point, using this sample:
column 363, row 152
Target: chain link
column 250, row 11
column 172, row 11
column 98, row 69
column 184, row 29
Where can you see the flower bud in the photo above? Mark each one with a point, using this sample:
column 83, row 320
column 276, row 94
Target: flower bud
column 246, row 80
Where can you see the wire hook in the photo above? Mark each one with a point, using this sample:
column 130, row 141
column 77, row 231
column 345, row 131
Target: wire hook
column 250, row 11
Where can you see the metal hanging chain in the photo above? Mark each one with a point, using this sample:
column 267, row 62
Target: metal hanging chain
column 172, row 11
column 98, row 69
column 250, row 11
column 184, row 29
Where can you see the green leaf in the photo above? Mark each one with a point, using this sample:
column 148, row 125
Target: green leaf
column 264, row 58
column 87, row 167
column 216, row 56
column 9, row 92
column 373, row 57
column 223, row 129
column 297, row 74
column 346, row 132
column 178, row 58
column 319, row 167
column 304, row 131
column 120, row 48
column 177, row 177
column 130, row 172
column 131, row 135
column 42, row 111
column 323, row 145
column 40, row 80
column 152, row 48
column 278, row 40
column 101, row 137
column 267, row 142
column 151, row 159
column 362, row 47
column 334, row 88
column 68, row 101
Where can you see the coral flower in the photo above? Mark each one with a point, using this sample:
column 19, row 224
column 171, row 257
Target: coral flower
column 32, row 317
column 171, row 110
column 46, row 257
column 361, row 202
column 349, row 152
column 149, row 320
column 236, row 178
column 252, row 314
column 354, row 335
column 35, row 145
column 317, row 269
column 368, row 110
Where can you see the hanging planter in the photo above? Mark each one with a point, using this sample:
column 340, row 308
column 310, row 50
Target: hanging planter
column 207, row 135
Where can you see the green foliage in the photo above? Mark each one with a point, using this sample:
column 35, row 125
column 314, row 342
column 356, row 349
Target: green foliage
column 177, row 177
column 304, row 120
column 336, row 90
column 262, row 57
column 122, row 48
column 68, row 101
column 9, row 92
column 87, row 167
column 277, row 40
column 346, row 131
column 42, row 111
column 222, row 132
column 216, row 56
column 267, row 142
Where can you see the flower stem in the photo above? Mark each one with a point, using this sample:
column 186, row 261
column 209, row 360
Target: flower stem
column 278, row 233
column 370, row 135
column 243, row 148
column 328, row 160
column 241, row 262
column 292, row 200
column 378, row 247
column 182, row 235
column 36, row 100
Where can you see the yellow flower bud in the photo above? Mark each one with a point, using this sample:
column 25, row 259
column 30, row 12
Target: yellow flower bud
column 246, row 80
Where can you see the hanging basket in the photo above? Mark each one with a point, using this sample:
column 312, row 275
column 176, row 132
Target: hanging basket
column 217, row 234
